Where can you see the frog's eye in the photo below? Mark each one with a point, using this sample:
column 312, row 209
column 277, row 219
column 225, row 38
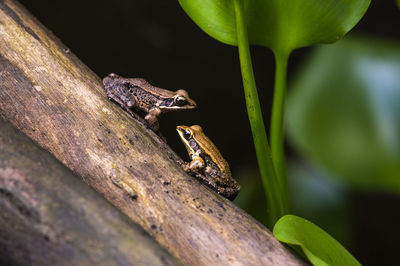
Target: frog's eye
column 187, row 134
column 180, row 100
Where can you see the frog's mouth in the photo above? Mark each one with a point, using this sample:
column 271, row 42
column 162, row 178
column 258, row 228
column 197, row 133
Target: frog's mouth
column 181, row 131
column 191, row 104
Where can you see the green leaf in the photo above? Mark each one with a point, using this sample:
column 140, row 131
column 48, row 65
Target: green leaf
column 343, row 112
column 290, row 24
column 319, row 247
column 281, row 25
column 215, row 17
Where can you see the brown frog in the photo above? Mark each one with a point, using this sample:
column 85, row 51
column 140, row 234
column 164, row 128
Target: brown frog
column 138, row 93
column 207, row 163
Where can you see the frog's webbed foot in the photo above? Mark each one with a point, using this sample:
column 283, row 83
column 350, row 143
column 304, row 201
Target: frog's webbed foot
column 153, row 124
column 125, row 186
column 152, row 119
column 186, row 167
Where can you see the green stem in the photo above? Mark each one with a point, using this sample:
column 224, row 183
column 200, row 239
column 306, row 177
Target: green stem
column 277, row 120
column 273, row 190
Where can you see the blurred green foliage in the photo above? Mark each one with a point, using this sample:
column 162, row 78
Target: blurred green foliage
column 321, row 199
column 343, row 112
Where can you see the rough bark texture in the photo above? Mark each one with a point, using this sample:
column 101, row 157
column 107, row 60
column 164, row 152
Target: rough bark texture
column 48, row 94
column 50, row 217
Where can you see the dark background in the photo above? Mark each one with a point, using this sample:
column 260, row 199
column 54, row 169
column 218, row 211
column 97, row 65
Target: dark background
column 156, row 40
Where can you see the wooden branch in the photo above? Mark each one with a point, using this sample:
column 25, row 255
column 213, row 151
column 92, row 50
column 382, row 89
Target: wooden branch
column 47, row 93
column 50, row 217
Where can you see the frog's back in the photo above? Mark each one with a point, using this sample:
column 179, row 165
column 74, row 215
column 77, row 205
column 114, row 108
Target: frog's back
column 214, row 153
column 140, row 83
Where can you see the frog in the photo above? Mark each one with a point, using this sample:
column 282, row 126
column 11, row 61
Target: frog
column 207, row 163
column 132, row 93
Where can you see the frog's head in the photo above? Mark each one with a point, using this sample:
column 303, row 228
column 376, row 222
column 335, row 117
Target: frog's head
column 188, row 137
column 180, row 100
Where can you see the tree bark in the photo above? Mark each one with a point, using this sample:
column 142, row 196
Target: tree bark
column 48, row 94
column 50, row 217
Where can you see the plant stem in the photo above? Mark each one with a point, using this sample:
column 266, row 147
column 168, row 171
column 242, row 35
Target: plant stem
column 277, row 120
column 273, row 190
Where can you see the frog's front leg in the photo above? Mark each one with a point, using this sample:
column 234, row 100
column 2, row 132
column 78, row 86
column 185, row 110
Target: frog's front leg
column 152, row 118
column 195, row 165
column 125, row 186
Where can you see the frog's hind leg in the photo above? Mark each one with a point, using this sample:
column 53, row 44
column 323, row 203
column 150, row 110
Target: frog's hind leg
column 126, row 104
